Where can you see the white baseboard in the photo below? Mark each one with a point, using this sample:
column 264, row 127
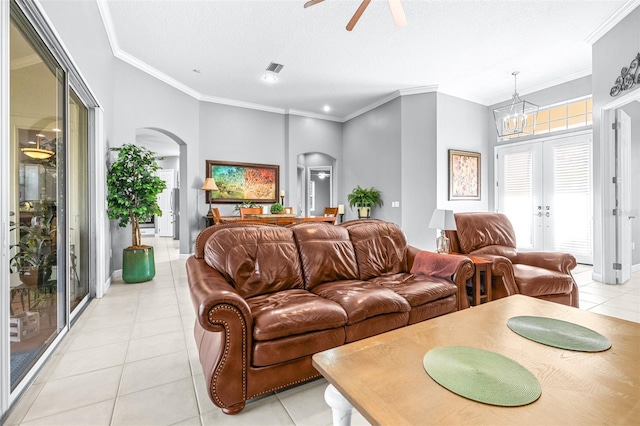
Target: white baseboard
column 635, row 268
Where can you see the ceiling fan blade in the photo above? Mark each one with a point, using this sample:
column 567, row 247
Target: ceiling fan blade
column 398, row 13
column 311, row 3
column 354, row 20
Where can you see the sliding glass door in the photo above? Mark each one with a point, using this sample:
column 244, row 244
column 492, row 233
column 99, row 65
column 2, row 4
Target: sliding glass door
column 37, row 121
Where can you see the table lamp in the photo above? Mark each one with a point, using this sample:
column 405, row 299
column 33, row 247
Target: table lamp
column 209, row 185
column 444, row 221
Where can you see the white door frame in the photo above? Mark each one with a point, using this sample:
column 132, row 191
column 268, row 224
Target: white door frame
column 604, row 212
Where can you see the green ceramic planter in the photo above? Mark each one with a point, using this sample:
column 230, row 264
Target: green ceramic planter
column 138, row 264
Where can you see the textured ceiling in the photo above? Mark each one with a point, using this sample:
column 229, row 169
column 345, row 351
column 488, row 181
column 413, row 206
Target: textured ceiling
column 465, row 48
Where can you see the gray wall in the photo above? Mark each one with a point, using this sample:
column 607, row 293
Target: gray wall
column 230, row 133
column 372, row 155
column 419, row 167
column 306, row 135
column 462, row 126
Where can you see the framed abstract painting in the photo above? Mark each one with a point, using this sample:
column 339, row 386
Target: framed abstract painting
column 464, row 175
column 239, row 182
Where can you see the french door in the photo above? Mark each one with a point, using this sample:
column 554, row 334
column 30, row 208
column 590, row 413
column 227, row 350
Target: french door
column 545, row 188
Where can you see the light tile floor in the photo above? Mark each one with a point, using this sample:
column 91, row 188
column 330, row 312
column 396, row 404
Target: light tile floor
column 131, row 360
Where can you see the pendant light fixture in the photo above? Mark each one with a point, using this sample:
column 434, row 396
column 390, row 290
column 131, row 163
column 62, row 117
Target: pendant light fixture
column 518, row 117
column 37, row 153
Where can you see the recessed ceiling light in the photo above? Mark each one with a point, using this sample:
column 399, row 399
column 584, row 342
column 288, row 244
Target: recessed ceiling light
column 269, row 77
column 326, row 108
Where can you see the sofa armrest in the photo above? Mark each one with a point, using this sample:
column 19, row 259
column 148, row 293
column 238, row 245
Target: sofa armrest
column 562, row 262
column 455, row 268
column 223, row 334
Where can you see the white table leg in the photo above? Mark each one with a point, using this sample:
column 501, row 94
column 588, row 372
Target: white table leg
column 339, row 405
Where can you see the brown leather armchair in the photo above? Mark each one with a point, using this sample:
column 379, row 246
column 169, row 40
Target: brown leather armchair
column 544, row 275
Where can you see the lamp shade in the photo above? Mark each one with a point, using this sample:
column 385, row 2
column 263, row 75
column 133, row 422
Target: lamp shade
column 443, row 219
column 209, row 185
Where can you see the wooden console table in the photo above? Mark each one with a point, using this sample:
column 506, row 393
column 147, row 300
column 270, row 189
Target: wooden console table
column 273, row 219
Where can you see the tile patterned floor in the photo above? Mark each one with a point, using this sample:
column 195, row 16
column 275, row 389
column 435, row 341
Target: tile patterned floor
column 131, row 360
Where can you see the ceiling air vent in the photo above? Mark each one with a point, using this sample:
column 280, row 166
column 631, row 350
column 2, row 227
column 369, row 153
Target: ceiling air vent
column 274, row 68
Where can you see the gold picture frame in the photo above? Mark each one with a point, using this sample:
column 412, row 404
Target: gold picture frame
column 464, row 175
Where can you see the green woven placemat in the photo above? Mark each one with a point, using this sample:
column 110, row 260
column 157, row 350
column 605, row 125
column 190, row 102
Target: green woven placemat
column 482, row 376
column 559, row 334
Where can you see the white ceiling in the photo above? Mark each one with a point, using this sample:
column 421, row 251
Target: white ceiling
column 464, row 48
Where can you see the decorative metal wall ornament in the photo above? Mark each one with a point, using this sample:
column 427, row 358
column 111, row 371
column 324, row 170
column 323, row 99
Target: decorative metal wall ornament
column 628, row 77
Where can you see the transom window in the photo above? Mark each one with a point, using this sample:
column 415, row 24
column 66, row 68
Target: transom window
column 568, row 115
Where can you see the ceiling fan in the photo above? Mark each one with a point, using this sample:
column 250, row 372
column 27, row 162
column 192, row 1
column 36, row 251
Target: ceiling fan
column 396, row 10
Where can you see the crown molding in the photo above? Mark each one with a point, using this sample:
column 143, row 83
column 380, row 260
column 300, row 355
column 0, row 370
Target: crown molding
column 315, row 115
column 107, row 21
column 612, row 21
column 542, row 86
column 241, row 104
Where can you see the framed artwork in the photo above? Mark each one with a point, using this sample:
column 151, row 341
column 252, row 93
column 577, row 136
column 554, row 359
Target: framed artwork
column 238, row 182
column 464, row 175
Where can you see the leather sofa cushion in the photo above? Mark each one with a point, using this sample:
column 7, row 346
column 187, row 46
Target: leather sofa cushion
column 381, row 248
column 293, row 312
column 477, row 230
column 417, row 289
column 277, row 351
column 362, row 300
column 326, row 253
column 535, row 281
column 257, row 260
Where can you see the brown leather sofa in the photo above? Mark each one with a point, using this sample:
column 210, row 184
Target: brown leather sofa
column 267, row 298
column 545, row 275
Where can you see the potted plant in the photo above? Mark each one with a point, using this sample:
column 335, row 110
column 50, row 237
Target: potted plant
column 36, row 253
column 247, row 203
column 276, row 208
column 133, row 190
column 364, row 199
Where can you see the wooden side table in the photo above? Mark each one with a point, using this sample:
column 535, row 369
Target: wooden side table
column 482, row 270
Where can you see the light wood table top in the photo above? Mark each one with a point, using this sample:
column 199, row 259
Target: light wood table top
column 383, row 376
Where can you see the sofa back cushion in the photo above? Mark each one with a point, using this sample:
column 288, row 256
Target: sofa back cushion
column 326, row 253
column 478, row 230
column 256, row 259
column 381, row 247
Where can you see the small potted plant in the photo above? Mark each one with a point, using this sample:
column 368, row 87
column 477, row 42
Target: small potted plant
column 133, row 197
column 245, row 204
column 364, row 199
column 276, row 208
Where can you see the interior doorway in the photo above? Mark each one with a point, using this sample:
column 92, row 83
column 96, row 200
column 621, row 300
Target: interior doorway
column 620, row 204
column 168, row 150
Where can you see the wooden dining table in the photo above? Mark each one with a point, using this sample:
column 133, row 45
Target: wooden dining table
column 277, row 219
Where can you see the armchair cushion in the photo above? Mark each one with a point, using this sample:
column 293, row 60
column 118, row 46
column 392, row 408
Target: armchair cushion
column 535, row 281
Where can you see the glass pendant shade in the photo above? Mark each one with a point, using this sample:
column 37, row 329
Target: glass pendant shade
column 37, row 153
